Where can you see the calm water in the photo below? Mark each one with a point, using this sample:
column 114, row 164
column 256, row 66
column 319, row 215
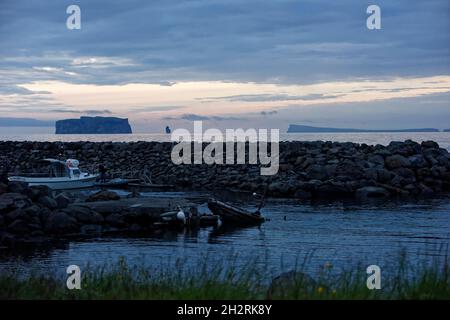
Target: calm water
column 337, row 232
column 44, row 134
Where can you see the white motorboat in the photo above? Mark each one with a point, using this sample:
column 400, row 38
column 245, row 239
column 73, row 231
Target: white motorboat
column 60, row 176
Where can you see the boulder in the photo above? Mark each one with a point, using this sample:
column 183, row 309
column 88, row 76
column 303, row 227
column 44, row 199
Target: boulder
column 3, row 188
column 330, row 189
column 91, row 229
column 48, row 202
column 316, row 172
column 115, row 220
column 302, row 194
column 430, row 145
column 61, row 223
column 10, row 201
column 365, row 193
column 83, row 214
column 17, row 214
column 62, row 201
column 425, row 190
column 376, row 159
column 36, row 192
column 417, row 161
column 104, row 195
column 18, row 226
column 406, row 148
column 278, row 188
column 17, row 187
column 397, row 161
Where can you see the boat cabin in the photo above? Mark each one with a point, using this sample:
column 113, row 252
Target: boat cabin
column 53, row 168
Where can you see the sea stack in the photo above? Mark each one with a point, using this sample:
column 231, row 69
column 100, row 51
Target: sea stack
column 93, row 125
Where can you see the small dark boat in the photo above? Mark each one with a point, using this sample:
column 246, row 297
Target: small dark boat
column 114, row 183
column 151, row 186
column 234, row 215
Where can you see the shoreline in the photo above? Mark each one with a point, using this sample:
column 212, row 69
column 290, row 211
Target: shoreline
column 307, row 170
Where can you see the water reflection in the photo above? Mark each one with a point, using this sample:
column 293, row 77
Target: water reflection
column 341, row 232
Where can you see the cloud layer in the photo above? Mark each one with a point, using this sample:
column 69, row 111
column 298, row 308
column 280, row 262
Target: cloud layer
column 221, row 60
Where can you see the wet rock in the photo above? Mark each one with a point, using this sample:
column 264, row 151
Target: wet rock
column 376, row 159
column 10, row 201
column 115, row 220
column 16, row 214
column 18, row 226
column 425, row 190
column 61, row 223
column 302, row 194
column 316, row 172
column 371, row 193
column 48, row 202
column 417, row 161
column 430, row 144
column 278, row 188
column 36, row 192
column 405, row 149
column 135, row 228
column 407, row 174
column 17, row 187
column 397, row 161
column 104, row 195
column 84, row 215
column 332, row 189
column 62, row 201
column 91, row 229
column 3, row 188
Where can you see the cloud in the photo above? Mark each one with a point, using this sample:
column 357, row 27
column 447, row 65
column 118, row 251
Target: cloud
column 90, row 112
column 271, row 97
column 155, row 109
column 55, row 70
column 16, row 90
column 196, row 117
column 298, row 42
column 101, row 62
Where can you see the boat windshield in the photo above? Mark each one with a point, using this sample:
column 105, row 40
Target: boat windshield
column 58, row 170
column 76, row 173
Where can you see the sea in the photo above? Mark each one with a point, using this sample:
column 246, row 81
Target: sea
column 344, row 234
column 46, row 134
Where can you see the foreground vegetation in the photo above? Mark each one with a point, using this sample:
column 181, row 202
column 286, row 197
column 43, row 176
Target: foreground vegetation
column 225, row 281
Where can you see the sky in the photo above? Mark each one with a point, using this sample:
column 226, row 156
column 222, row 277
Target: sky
column 229, row 63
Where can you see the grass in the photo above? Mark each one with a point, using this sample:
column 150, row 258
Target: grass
column 226, row 281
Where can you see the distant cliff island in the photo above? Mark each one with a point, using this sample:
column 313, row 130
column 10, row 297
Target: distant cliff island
column 93, row 125
column 308, row 129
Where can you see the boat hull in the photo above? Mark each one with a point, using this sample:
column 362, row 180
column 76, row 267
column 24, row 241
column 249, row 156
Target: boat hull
column 233, row 215
column 58, row 183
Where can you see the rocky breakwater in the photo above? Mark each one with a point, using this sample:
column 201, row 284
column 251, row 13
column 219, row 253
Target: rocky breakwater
column 307, row 169
column 34, row 214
